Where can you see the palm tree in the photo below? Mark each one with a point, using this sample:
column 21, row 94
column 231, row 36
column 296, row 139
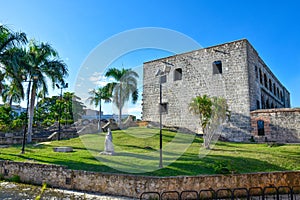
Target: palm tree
column 13, row 93
column 124, row 87
column 41, row 62
column 99, row 94
column 213, row 112
column 202, row 106
column 10, row 54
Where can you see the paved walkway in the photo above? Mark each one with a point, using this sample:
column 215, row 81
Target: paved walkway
column 15, row 191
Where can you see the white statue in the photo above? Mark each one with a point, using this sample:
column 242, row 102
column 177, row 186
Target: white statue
column 109, row 147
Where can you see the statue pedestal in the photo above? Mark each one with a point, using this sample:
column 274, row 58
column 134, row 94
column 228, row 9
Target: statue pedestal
column 107, row 153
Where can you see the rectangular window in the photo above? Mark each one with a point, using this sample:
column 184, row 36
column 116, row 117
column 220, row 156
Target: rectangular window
column 164, row 108
column 178, row 74
column 260, row 127
column 163, row 79
column 217, row 67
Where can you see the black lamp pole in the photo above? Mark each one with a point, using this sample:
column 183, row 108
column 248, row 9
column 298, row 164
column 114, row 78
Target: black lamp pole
column 160, row 125
column 35, row 77
column 60, row 110
column 159, row 74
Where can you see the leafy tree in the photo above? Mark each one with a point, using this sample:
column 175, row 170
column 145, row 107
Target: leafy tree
column 42, row 61
column 212, row 113
column 7, row 115
column 48, row 108
column 99, row 94
column 124, row 87
column 10, row 55
column 13, row 93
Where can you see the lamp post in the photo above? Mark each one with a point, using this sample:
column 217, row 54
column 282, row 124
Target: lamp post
column 35, row 77
column 61, row 87
column 159, row 74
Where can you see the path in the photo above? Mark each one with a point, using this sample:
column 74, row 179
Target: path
column 16, row 191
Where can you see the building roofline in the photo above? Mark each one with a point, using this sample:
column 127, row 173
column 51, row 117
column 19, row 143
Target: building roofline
column 209, row 47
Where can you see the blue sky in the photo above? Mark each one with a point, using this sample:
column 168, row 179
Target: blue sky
column 75, row 28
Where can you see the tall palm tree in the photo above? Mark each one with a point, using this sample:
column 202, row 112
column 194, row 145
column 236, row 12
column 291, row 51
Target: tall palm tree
column 41, row 62
column 124, row 87
column 99, row 94
column 10, row 54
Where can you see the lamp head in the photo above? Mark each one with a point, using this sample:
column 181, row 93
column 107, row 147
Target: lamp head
column 158, row 72
column 166, row 69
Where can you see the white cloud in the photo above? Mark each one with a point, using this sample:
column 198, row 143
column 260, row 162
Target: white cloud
column 99, row 79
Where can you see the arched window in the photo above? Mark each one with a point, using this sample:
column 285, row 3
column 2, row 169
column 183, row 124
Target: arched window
column 272, row 105
column 274, row 89
column 217, row 67
column 260, row 77
column 260, row 127
column 281, row 97
column 267, row 104
column 266, row 80
column 270, row 85
column 277, row 92
column 256, row 72
column 177, row 74
column 263, row 105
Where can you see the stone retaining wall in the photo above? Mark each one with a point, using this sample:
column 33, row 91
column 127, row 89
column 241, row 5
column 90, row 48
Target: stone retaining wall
column 134, row 185
column 280, row 125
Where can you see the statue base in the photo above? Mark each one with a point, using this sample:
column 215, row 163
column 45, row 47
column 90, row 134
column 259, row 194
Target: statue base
column 107, row 153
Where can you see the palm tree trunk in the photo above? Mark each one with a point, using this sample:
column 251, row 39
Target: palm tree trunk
column 30, row 114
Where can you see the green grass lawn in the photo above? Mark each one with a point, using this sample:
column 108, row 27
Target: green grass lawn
column 137, row 152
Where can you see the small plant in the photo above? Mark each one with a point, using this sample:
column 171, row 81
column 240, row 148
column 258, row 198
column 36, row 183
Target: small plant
column 1, row 177
column 222, row 167
column 42, row 191
column 252, row 139
column 15, row 178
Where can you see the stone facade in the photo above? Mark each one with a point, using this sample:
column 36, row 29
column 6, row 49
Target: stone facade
column 280, row 125
column 133, row 185
column 229, row 70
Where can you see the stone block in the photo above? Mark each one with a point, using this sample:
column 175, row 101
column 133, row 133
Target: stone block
column 63, row 149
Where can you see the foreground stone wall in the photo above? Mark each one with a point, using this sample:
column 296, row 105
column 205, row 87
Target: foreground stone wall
column 133, row 185
column 280, row 125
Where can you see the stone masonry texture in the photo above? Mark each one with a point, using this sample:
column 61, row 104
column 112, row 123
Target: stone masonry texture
column 245, row 81
column 134, row 185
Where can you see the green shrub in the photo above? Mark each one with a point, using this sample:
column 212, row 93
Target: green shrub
column 68, row 121
column 17, row 124
column 4, row 127
column 222, row 167
column 15, row 178
column 48, row 122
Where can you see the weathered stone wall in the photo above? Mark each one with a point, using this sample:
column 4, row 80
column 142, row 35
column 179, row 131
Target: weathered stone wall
column 198, row 79
column 281, row 125
column 238, row 83
column 134, row 186
column 266, row 91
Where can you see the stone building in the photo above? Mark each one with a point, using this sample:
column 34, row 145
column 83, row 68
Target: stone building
column 233, row 70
